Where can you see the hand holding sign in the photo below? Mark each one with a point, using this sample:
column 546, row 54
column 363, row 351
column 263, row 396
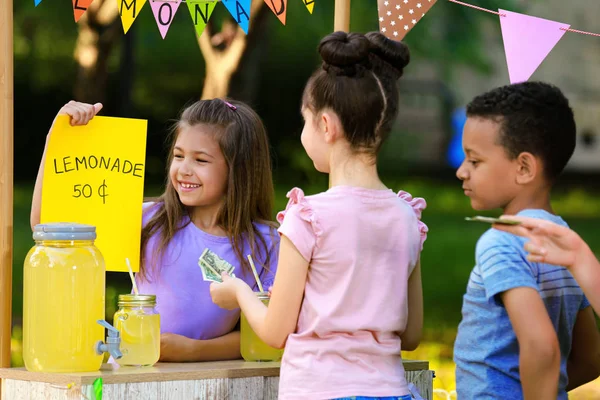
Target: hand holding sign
column 93, row 174
column 80, row 113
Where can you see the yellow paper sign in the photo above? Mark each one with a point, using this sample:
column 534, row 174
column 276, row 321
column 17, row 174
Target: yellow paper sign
column 129, row 10
column 94, row 174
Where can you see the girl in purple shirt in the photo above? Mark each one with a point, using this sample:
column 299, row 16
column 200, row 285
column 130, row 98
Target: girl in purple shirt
column 218, row 196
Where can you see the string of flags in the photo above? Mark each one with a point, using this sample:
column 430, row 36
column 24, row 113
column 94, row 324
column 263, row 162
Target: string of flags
column 200, row 11
column 527, row 40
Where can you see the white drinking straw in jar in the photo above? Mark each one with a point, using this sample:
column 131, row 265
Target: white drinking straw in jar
column 135, row 289
column 260, row 287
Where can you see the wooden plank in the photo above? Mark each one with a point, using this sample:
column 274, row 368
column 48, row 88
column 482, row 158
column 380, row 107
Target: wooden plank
column 168, row 372
column 415, row 365
column 159, row 373
column 423, row 381
column 254, row 388
column 342, row 16
column 6, row 177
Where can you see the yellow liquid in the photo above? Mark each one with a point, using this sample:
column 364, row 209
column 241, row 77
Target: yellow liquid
column 252, row 347
column 63, row 297
column 140, row 337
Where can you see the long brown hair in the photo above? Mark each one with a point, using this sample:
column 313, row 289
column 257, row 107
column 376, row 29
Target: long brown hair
column 249, row 197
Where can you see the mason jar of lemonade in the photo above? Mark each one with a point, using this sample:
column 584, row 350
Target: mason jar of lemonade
column 251, row 346
column 139, row 324
column 63, row 297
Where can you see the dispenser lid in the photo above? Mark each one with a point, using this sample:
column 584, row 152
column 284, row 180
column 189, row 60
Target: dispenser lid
column 64, row 231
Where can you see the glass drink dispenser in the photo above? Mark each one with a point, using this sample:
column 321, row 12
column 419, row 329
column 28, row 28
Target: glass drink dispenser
column 63, row 301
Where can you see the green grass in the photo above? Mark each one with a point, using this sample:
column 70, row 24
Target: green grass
column 447, row 259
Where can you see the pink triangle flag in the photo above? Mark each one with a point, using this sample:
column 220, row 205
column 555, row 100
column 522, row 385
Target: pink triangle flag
column 164, row 12
column 527, row 42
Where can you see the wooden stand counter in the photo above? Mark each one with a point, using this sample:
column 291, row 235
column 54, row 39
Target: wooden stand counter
column 221, row 380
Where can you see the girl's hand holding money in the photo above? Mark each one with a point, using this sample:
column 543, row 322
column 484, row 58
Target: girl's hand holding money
column 225, row 294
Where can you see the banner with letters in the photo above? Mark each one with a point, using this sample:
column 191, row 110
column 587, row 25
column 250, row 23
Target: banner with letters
column 527, row 40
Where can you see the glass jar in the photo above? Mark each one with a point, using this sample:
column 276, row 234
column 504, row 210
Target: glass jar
column 139, row 324
column 251, row 346
column 63, row 297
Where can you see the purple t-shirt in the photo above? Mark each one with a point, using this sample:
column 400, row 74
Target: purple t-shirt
column 182, row 296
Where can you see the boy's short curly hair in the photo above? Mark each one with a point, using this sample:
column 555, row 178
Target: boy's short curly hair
column 534, row 117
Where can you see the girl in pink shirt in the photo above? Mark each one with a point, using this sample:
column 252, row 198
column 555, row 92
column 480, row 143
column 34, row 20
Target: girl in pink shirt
column 347, row 296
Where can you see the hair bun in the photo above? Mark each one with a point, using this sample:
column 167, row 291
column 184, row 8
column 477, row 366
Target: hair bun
column 395, row 53
column 345, row 53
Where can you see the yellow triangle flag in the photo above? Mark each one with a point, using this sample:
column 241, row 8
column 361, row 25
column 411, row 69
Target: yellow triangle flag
column 310, row 4
column 129, row 10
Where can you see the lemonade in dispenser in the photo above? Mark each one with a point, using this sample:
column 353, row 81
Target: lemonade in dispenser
column 63, row 301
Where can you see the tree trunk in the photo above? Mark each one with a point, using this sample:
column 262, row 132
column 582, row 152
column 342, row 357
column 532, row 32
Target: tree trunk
column 223, row 51
column 99, row 29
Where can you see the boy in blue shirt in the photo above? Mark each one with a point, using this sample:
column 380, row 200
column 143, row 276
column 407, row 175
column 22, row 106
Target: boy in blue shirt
column 527, row 329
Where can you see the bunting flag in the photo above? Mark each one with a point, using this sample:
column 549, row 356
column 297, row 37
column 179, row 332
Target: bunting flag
column 164, row 12
column 310, row 4
column 129, row 11
column 240, row 11
column 201, row 12
column 398, row 17
column 527, row 42
column 279, row 8
column 79, row 7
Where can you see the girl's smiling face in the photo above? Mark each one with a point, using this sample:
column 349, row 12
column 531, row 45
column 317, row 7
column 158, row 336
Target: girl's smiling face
column 198, row 170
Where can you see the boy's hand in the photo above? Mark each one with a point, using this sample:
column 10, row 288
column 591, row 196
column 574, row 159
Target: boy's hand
column 80, row 113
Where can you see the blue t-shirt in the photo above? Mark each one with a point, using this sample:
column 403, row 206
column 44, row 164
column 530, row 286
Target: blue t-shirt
column 486, row 350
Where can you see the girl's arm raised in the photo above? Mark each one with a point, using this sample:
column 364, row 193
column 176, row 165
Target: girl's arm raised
column 411, row 337
column 36, row 201
column 275, row 323
column 80, row 114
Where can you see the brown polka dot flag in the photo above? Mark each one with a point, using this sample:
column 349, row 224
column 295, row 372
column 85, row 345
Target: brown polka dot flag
column 398, row 17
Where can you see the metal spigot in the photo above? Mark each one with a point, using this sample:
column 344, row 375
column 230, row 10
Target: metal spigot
column 113, row 340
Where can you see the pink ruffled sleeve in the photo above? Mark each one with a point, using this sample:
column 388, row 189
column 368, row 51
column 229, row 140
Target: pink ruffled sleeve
column 418, row 204
column 299, row 223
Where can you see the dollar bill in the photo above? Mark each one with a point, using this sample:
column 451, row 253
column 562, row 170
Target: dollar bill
column 208, row 274
column 212, row 265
